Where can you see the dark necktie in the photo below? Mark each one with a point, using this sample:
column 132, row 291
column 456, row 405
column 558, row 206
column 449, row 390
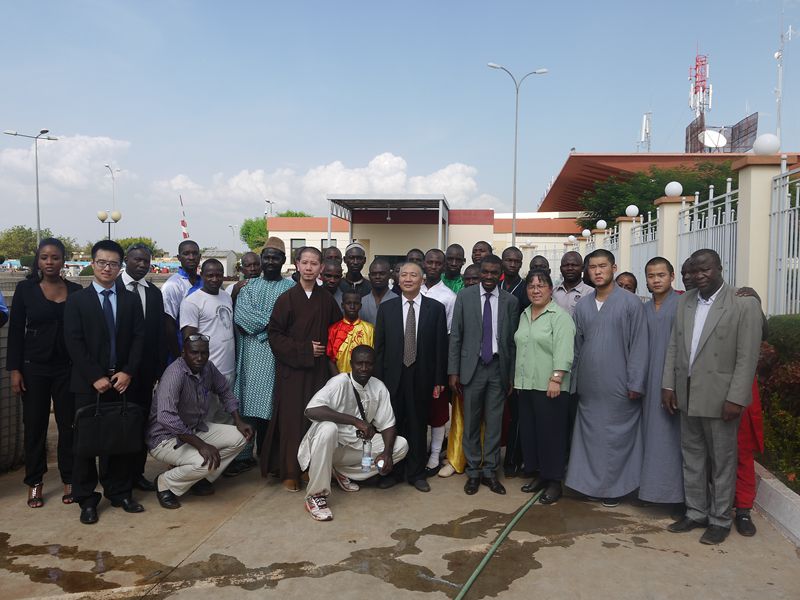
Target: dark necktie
column 108, row 312
column 135, row 290
column 486, row 342
column 410, row 341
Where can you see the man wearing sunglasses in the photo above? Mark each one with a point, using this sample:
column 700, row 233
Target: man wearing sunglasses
column 178, row 433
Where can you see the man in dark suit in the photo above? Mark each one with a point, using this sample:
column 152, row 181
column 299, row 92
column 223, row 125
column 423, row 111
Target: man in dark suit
column 411, row 360
column 481, row 367
column 104, row 332
column 154, row 359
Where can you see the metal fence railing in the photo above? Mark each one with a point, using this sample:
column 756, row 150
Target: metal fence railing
column 644, row 246
column 784, row 240
column 710, row 223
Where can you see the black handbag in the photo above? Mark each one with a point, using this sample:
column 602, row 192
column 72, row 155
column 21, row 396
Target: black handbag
column 107, row 428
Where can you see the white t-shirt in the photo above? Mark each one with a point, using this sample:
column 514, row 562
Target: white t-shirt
column 213, row 316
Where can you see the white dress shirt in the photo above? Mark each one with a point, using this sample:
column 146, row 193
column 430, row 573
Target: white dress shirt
column 127, row 280
column 700, row 316
column 417, row 306
column 443, row 294
column 494, row 302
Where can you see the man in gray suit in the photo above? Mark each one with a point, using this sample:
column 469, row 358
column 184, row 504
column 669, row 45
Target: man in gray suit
column 708, row 376
column 481, row 368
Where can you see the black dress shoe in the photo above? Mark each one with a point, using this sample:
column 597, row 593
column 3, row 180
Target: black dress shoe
column 89, row 515
column 432, row 472
column 744, row 524
column 686, row 524
column 552, row 494
column 422, row 485
column 129, row 505
column 472, row 485
column 715, row 534
column 385, row 482
column 202, row 488
column 533, row 486
column 494, row 485
column 167, row 499
column 144, row 484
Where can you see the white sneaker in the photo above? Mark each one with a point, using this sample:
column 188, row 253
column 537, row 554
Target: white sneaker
column 447, row 470
column 347, row 484
column 318, row 507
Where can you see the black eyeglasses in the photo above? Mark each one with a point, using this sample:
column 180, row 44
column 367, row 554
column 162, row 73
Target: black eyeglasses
column 111, row 264
column 196, row 337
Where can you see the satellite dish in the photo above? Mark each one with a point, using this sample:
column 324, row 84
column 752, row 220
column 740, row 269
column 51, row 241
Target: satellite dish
column 712, row 139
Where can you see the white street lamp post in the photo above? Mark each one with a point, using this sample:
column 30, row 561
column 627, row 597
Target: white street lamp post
column 108, row 218
column 517, row 84
column 113, row 185
column 35, row 139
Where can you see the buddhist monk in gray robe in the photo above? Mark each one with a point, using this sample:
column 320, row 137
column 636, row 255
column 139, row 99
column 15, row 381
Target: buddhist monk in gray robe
column 662, row 463
column 611, row 353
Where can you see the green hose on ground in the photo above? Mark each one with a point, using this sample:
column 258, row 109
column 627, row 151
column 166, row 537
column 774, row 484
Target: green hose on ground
column 503, row 535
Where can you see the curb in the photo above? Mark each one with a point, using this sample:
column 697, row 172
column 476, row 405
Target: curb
column 778, row 504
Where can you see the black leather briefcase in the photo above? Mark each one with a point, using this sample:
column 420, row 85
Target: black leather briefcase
column 107, row 428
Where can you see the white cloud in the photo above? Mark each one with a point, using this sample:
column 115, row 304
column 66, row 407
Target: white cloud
column 74, row 187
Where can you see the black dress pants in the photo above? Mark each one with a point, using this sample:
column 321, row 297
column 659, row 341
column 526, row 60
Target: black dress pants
column 411, row 415
column 543, row 428
column 144, row 398
column 44, row 383
column 115, row 472
column 513, row 458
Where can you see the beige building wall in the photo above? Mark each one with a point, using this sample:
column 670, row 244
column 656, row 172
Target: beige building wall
column 552, row 247
column 312, row 238
column 467, row 235
column 394, row 239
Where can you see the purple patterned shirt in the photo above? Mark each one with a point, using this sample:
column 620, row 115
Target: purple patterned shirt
column 180, row 402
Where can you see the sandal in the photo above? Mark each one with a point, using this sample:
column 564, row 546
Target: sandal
column 67, row 497
column 35, row 499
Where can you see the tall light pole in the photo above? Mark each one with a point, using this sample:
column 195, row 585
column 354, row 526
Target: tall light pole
column 35, row 139
column 113, row 185
column 271, row 203
column 517, row 84
column 107, row 218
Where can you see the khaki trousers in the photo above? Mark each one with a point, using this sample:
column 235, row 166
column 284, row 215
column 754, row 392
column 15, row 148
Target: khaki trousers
column 327, row 454
column 188, row 468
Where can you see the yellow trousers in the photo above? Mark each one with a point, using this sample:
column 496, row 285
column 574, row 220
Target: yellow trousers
column 455, row 448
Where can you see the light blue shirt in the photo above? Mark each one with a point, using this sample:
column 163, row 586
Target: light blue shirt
column 3, row 307
column 113, row 297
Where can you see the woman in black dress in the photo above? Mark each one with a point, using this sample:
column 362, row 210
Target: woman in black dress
column 39, row 366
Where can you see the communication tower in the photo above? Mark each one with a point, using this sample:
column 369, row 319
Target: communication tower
column 645, row 136
column 700, row 89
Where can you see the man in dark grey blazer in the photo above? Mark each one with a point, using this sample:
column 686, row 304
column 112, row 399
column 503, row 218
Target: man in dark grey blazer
column 481, row 368
column 708, row 377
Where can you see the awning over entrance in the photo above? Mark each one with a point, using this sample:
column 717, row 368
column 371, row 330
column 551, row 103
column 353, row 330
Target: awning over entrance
column 400, row 208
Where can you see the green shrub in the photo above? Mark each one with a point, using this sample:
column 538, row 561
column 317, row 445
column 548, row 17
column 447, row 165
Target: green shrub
column 784, row 335
column 27, row 260
column 779, row 383
column 87, row 271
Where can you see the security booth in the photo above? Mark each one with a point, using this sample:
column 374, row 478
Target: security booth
column 390, row 225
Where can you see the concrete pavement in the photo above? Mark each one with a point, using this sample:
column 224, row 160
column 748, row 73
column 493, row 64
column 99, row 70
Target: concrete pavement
column 254, row 539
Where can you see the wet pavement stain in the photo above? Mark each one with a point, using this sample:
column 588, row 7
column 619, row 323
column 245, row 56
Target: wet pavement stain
column 12, row 559
column 556, row 526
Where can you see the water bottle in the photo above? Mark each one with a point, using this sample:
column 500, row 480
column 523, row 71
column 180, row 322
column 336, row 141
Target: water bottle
column 366, row 456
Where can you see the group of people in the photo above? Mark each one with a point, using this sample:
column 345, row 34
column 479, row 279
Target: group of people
column 418, row 369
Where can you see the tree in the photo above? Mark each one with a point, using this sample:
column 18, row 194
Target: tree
column 149, row 242
column 294, row 213
column 20, row 241
column 610, row 197
column 253, row 232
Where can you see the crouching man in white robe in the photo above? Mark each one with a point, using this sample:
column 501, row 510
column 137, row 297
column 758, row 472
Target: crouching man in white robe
column 352, row 411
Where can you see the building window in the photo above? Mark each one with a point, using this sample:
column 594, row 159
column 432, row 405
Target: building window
column 327, row 243
column 296, row 244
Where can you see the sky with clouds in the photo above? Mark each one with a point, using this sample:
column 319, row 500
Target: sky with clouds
column 229, row 104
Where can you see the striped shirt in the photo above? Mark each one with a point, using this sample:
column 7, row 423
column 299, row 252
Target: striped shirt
column 180, row 402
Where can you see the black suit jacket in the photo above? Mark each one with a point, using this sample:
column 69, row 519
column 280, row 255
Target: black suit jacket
column 154, row 359
column 86, row 334
column 35, row 327
column 431, row 361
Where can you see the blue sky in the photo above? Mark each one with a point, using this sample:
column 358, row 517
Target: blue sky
column 226, row 103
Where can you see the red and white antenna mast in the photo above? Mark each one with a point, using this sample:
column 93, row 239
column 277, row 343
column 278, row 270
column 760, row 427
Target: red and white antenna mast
column 700, row 90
